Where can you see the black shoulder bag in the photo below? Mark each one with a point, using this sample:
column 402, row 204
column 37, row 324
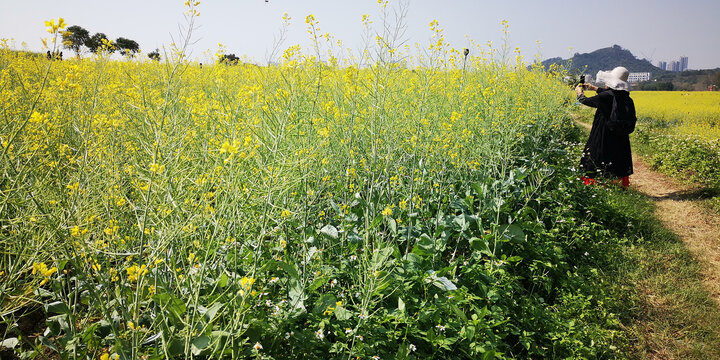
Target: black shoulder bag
column 622, row 116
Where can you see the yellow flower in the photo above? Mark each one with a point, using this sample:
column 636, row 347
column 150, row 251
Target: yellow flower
column 387, row 211
column 230, row 148
column 53, row 28
column 76, row 231
column 156, row 168
column 42, row 269
column 73, row 187
column 135, row 272
column 246, row 283
column 37, row 118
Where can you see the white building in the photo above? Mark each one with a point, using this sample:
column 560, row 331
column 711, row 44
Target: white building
column 638, row 77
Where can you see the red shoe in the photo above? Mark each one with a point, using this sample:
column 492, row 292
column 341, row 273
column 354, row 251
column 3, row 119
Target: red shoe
column 588, row 181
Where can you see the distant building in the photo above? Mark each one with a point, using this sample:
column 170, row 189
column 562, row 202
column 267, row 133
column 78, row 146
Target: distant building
column 674, row 66
column 683, row 63
column 639, row 77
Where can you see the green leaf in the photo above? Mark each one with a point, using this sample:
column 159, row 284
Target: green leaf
column 480, row 245
column 296, row 294
column 393, row 225
column 342, row 314
column 512, row 232
column 479, row 188
column 444, row 284
column 460, row 314
column 460, row 221
column 212, row 311
column 317, row 283
column 376, row 221
column 329, row 231
column 381, row 256
column 223, row 280
column 414, row 260
column 171, row 304
column 199, row 344
column 488, row 355
column 57, row 307
column 289, row 269
column 425, row 246
column 45, row 341
column 176, row 347
column 401, row 306
column 325, row 301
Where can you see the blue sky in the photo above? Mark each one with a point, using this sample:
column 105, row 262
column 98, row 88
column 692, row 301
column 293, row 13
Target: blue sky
column 658, row 30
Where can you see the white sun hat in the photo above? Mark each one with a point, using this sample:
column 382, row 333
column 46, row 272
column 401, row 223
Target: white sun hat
column 615, row 79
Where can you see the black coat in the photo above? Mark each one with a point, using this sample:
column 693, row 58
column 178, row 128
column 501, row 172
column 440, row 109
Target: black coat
column 607, row 152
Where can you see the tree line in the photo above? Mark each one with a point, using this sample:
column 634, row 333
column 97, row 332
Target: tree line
column 76, row 38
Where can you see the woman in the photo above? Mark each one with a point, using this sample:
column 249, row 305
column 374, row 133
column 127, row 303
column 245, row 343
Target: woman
column 607, row 152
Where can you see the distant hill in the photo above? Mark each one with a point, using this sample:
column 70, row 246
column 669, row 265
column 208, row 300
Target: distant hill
column 605, row 59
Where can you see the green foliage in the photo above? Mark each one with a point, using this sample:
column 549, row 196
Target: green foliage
column 655, row 86
column 305, row 210
column 75, row 37
column 229, row 59
column 690, row 80
column 604, row 59
column 662, row 300
column 689, row 158
column 154, row 55
column 94, row 42
column 127, row 47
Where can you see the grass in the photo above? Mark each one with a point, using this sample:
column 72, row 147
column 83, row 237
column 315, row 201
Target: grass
column 666, row 311
column 671, row 314
column 686, row 170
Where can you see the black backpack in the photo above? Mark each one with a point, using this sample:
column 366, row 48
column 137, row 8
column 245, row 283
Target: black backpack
column 622, row 116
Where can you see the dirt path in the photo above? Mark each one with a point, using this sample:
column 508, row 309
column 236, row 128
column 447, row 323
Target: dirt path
column 678, row 210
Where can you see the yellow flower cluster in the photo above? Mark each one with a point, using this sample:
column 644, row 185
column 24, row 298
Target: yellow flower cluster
column 134, row 273
column 689, row 113
column 53, row 27
column 42, row 269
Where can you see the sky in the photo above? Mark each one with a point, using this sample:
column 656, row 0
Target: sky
column 659, row 30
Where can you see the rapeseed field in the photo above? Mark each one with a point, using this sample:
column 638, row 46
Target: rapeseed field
column 319, row 208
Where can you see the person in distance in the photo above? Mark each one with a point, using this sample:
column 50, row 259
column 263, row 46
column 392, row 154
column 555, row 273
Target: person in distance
column 607, row 152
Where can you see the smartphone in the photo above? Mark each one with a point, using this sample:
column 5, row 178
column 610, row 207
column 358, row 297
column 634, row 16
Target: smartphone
column 582, row 81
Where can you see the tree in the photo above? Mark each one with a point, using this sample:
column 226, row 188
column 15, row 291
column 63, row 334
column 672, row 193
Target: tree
column 127, row 47
column 95, row 42
column 74, row 38
column 229, row 59
column 155, row 55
